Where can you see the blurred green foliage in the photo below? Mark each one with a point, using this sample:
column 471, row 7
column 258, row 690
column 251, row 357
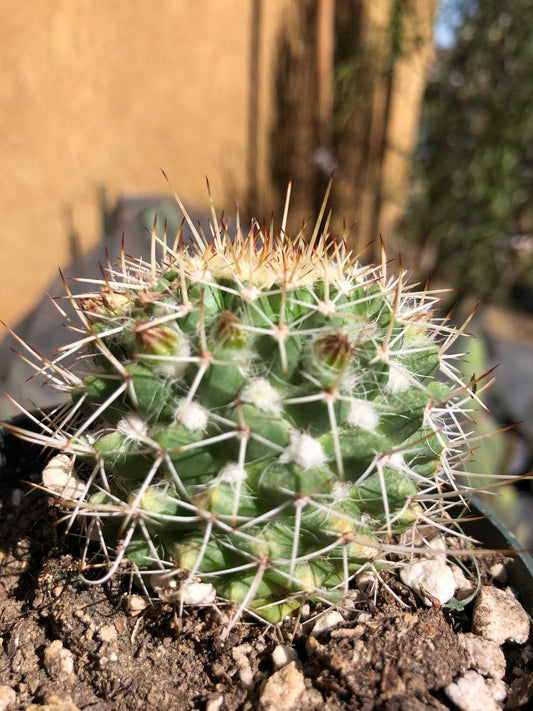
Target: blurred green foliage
column 470, row 205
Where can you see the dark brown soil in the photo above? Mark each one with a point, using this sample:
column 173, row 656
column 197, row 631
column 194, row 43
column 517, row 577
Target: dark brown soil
column 382, row 657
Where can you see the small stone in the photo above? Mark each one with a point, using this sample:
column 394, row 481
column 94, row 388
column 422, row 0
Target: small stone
column 305, row 611
column 486, row 657
column 465, row 586
column 8, row 697
column 108, row 633
column 430, row 578
column 58, row 476
column 350, row 600
column 499, row 616
column 53, row 706
column 498, row 572
column 214, row 703
column 193, row 593
column 326, row 622
column 57, row 702
column 137, row 603
column 120, row 624
column 283, row 689
column 439, row 546
column 246, row 674
column 497, row 688
column 471, row 692
column 106, row 657
column 349, row 632
column 165, row 585
column 58, row 661
column 282, row 655
column 365, row 618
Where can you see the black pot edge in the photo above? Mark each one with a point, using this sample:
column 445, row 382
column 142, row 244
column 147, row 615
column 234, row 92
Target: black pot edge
column 481, row 524
column 489, row 530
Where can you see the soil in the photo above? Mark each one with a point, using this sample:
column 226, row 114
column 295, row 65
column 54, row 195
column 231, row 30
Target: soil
column 65, row 645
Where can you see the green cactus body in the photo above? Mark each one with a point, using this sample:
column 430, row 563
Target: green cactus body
column 261, row 418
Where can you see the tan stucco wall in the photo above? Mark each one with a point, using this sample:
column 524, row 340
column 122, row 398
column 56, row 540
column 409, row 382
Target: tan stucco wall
column 103, row 93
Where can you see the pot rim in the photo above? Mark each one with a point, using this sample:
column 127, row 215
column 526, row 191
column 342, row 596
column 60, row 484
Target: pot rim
column 488, row 528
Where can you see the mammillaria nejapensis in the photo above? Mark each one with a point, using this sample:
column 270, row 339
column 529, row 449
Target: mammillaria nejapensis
column 260, row 413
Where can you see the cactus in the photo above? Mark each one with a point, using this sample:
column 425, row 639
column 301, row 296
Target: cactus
column 263, row 414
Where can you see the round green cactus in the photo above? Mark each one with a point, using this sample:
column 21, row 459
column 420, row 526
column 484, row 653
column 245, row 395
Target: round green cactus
column 261, row 413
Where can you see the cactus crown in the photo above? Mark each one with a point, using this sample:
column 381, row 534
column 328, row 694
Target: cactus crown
column 261, row 413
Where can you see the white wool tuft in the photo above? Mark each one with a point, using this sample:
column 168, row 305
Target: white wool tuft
column 398, row 379
column 200, row 273
column 133, row 427
column 303, row 450
column 260, row 393
column 233, row 473
column 250, row 293
column 396, row 460
column 192, row 415
column 363, row 414
column 340, row 490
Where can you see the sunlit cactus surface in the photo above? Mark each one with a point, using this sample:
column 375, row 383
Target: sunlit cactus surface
column 256, row 412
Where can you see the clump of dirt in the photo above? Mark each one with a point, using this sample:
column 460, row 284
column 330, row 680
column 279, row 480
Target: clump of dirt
column 393, row 655
column 65, row 645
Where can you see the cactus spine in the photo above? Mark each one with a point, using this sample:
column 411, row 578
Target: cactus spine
column 263, row 414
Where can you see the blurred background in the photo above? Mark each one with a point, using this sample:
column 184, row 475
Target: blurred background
column 423, row 109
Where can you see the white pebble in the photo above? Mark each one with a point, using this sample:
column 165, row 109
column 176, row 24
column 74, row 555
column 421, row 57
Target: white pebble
column 499, row 616
column 283, row 689
column 137, row 603
column 190, row 592
column 486, row 657
column 215, row 703
column 240, row 656
column 328, row 621
column 58, row 661
column 439, row 549
column 498, row 689
column 8, row 696
column 465, row 586
column 283, row 655
column 193, row 593
column 107, row 633
column 429, row 579
column 58, row 476
column 471, row 692
column 498, row 572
